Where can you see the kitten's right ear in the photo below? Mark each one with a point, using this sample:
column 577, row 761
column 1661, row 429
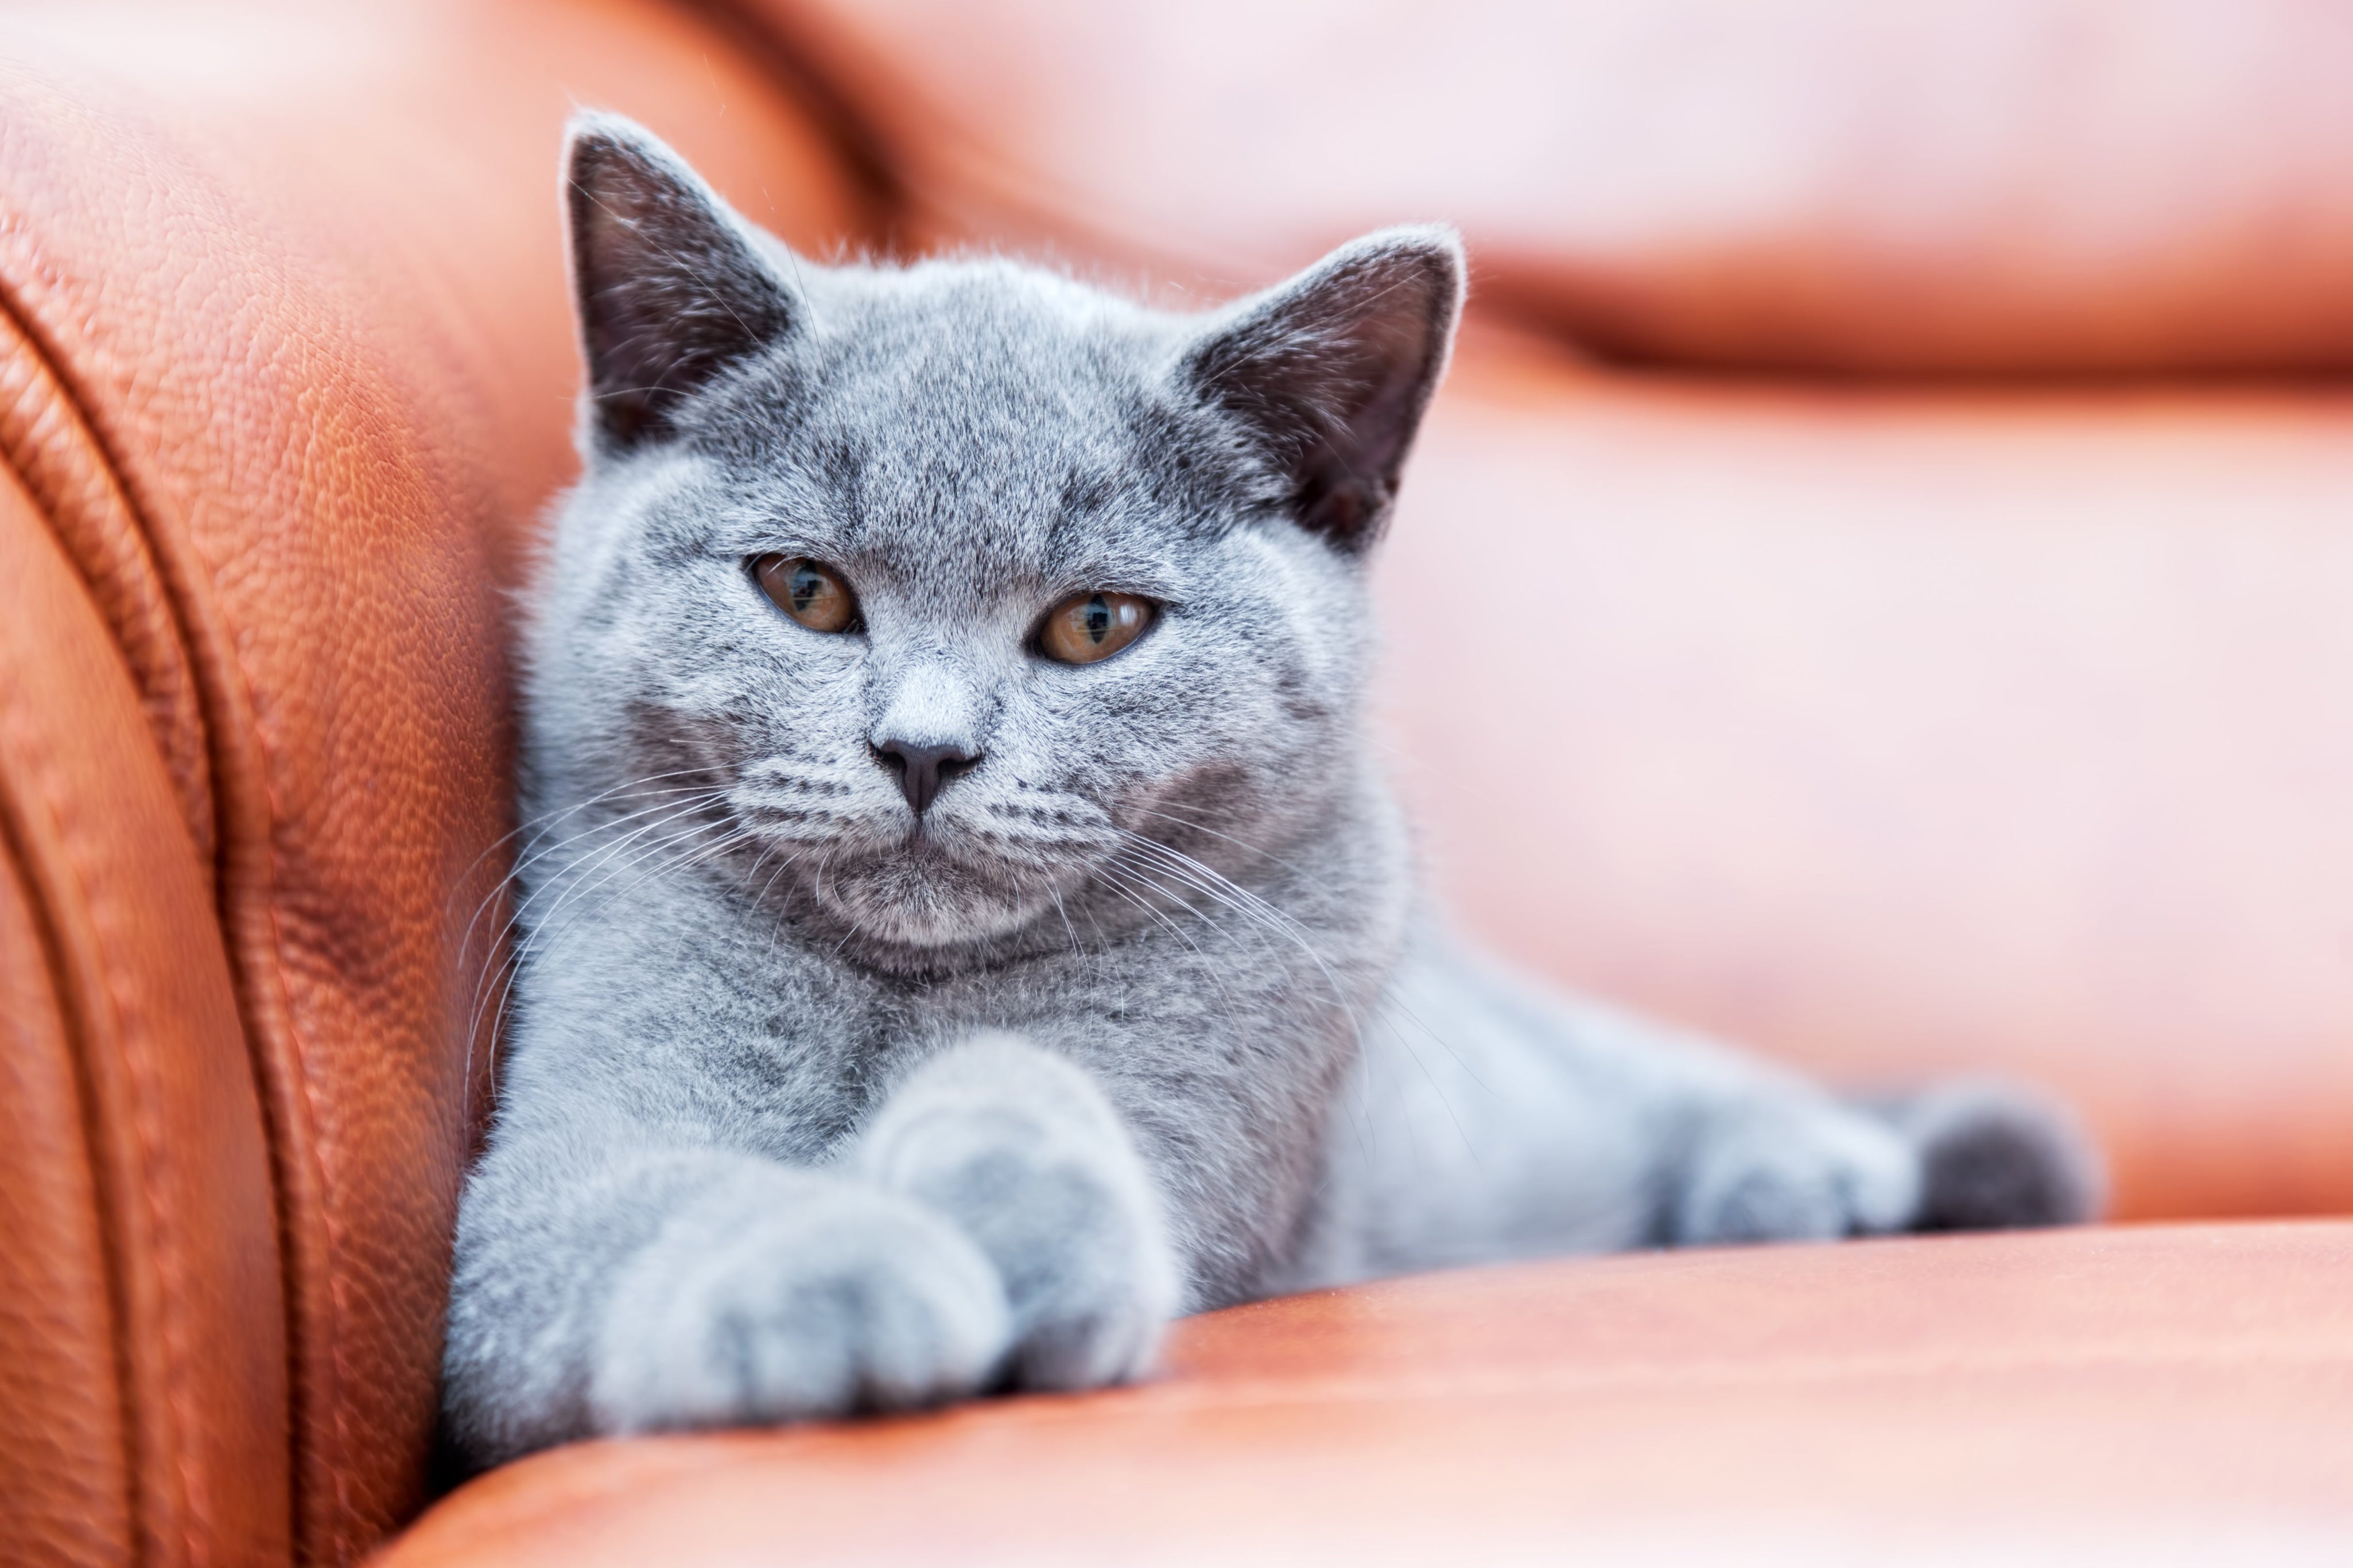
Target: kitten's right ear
column 1331, row 371
column 670, row 287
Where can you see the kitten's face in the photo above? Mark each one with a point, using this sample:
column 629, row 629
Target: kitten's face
column 963, row 450
column 960, row 451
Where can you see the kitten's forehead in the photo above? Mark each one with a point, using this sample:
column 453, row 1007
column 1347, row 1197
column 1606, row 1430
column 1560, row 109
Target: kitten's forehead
column 985, row 421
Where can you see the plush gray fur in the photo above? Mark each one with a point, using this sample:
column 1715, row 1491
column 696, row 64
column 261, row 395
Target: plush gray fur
column 813, row 1104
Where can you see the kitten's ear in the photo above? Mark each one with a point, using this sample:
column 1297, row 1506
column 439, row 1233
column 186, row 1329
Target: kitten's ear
column 1332, row 369
column 671, row 285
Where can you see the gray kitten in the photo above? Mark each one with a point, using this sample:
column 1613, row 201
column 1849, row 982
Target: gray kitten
column 969, row 929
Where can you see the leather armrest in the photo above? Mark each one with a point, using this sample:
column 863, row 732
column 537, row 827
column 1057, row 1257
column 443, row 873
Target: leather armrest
column 286, row 376
column 143, row 1346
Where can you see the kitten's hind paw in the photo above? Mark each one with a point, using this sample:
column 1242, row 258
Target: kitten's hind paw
column 1996, row 1155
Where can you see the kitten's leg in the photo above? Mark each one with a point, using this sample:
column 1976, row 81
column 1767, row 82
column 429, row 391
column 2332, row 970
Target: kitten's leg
column 604, row 1292
column 1023, row 1151
column 1487, row 1120
column 1984, row 1154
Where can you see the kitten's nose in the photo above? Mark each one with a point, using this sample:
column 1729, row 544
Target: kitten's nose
column 922, row 770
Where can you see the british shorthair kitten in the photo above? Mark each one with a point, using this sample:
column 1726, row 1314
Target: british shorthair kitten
column 967, row 925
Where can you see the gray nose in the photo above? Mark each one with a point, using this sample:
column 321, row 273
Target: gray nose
column 922, row 770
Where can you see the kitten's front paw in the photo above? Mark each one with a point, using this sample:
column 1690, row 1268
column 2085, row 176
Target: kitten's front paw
column 1020, row 1149
column 1803, row 1172
column 850, row 1300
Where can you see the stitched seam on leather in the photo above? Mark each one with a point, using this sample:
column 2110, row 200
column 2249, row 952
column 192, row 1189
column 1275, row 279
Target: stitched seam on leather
column 38, row 478
column 328, row 1230
column 233, row 667
column 148, row 1159
column 86, row 1096
column 189, row 597
column 262, row 896
column 171, row 1270
column 303, row 1332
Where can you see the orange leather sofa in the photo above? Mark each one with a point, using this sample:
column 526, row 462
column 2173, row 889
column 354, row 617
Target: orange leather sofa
column 1878, row 584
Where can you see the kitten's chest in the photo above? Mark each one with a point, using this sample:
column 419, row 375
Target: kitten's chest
column 797, row 1045
column 832, row 1026
column 821, row 1016
column 821, row 1042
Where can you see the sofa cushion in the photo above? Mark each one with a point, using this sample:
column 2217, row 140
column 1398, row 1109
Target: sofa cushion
column 1955, row 185
column 1908, row 733
column 2118, row 1396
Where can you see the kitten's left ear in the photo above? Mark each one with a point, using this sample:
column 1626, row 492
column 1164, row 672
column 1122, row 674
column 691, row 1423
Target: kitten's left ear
column 673, row 288
column 1332, row 369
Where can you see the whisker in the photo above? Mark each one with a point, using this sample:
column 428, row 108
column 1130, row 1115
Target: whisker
column 1068, row 930
column 530, row 823
column 491, row 1003
column 1392, row 1003
column 534, row 849
column 1250, row 919
column 1242, row 844
column 1115, row 867
column 545, row 937
column 777, row 929
column 542, row 926
column 1209, row 880
column 538, row 851
column 1251, row 906
column 523, row 910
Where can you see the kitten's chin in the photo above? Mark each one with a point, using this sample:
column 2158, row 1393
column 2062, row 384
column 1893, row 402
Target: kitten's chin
column 927, row 904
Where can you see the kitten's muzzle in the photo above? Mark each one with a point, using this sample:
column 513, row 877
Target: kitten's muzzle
column 922, row 770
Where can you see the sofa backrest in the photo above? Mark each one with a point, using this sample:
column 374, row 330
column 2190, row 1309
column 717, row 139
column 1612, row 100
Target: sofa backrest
column 1981, row 185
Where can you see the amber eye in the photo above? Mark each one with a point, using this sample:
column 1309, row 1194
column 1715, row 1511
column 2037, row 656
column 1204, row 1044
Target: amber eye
column 806, row 592
column 1094, row 626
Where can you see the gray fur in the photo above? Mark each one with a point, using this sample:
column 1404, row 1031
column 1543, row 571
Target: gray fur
column 811, row 1106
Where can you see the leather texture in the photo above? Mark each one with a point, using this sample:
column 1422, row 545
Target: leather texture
column 288, row 377
column 1977, row 186
column 1904, row 732
column 142, row 1360
column 2125, row 1396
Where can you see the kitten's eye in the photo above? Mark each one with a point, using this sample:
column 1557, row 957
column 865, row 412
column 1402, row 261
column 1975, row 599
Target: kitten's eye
column 806, row 592
column 1094, row 626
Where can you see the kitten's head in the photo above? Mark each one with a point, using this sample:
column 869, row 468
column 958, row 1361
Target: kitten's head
column 950, row 583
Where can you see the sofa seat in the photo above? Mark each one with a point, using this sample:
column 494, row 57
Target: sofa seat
column 2141, row 1395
